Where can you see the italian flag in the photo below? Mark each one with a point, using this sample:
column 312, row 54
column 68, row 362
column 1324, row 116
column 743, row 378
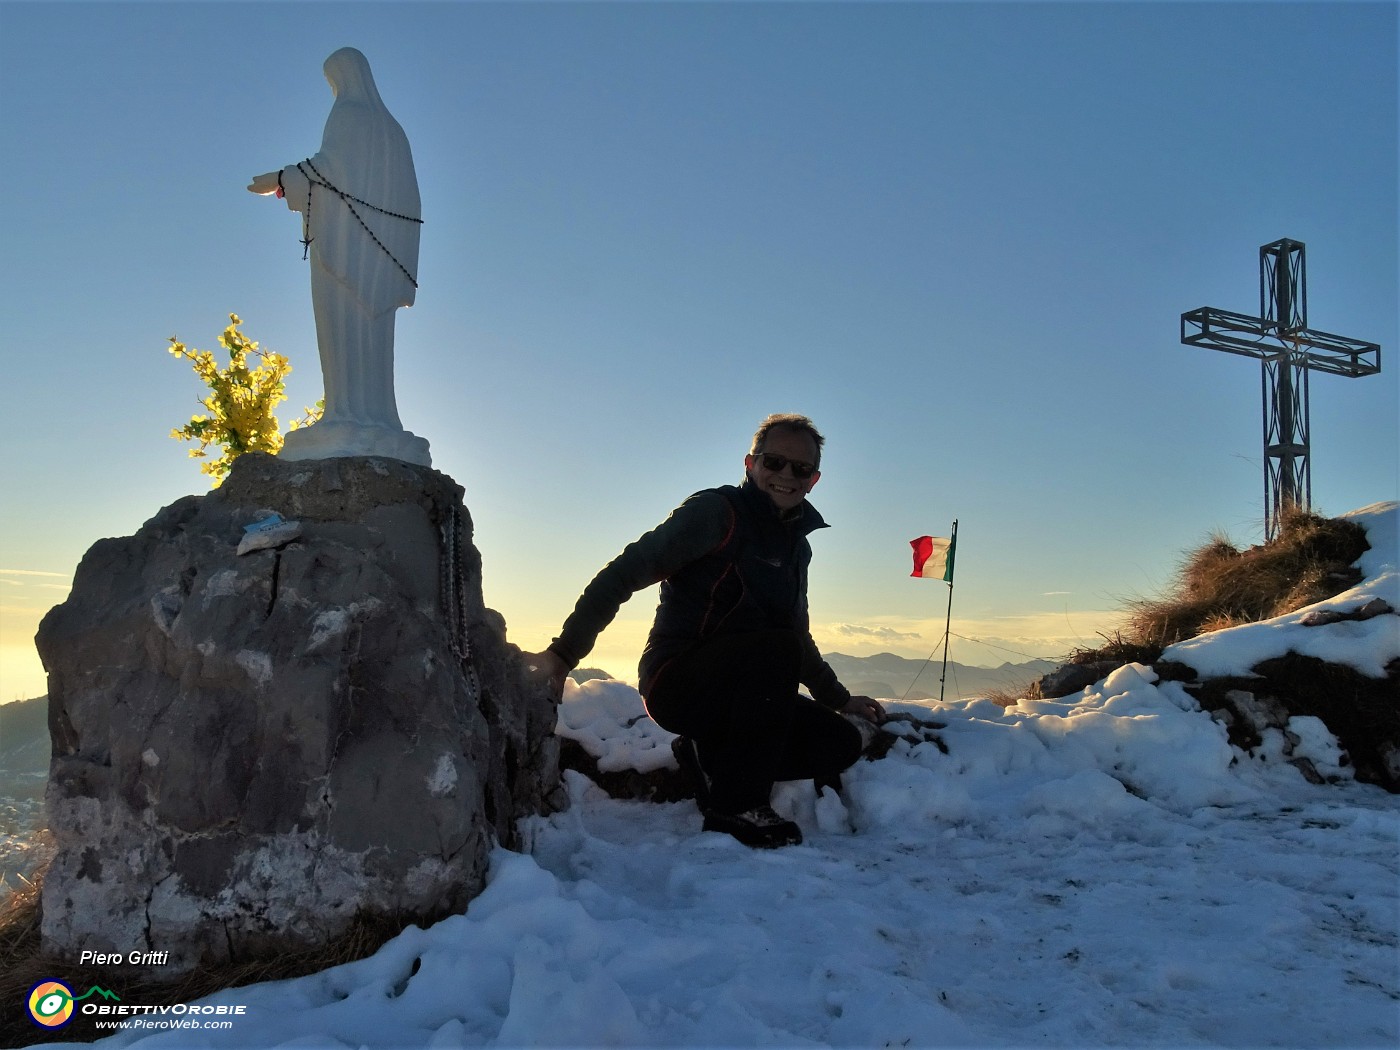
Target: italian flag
column 933, row 557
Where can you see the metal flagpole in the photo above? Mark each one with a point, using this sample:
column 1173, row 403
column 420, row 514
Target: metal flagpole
column 948, row 627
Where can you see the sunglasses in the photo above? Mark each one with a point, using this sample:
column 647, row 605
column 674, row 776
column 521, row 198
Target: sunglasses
column 774, row 462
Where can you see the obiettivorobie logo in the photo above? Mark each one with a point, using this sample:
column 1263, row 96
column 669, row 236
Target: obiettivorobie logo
column 52, row 1003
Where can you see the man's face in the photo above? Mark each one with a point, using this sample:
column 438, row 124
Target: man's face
column 782, row 486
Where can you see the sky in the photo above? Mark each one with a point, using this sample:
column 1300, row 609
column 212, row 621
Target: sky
column 958, row 236
column 1100, row 870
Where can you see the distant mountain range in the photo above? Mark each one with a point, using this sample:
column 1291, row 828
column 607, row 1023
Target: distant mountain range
column 889, row 677
column 886, row 676
column 24, row 738
column 24, row 770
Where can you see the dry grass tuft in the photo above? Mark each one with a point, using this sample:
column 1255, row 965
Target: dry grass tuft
column 1222, row 586
column 1006, row 697
column 1120, row 650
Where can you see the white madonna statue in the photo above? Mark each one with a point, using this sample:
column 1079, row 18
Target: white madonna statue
column 360, row 213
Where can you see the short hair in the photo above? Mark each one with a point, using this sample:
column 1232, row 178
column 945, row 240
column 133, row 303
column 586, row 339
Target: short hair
column 787, row 421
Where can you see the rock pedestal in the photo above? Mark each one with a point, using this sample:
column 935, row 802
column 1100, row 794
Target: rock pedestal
column 250, row 751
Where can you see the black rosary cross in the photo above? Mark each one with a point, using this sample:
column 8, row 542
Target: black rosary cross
column 1280, row 338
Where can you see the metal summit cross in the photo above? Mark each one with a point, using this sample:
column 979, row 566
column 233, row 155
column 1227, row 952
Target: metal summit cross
column 1281, row 339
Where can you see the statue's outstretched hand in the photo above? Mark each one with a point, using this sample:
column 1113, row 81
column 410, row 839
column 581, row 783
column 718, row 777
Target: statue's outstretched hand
column 264, row 184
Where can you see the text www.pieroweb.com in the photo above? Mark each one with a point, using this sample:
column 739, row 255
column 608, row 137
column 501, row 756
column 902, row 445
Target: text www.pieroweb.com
column 162, row 1024
column 159, row 1018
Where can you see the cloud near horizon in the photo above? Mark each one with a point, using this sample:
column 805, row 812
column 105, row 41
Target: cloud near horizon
column 983, row 640
column 884, row 634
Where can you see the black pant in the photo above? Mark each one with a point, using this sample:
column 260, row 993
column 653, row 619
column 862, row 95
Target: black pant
column 736, row 697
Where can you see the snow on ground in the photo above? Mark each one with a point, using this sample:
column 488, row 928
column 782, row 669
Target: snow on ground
column 1101, row 870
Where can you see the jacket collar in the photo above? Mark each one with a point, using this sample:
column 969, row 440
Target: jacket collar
column 804, row 518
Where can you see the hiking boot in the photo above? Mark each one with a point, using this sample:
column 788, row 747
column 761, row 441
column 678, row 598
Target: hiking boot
column 688, row 758
column 759, row 827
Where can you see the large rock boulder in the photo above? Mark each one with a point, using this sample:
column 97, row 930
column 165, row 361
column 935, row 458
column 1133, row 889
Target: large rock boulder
column 251, row 750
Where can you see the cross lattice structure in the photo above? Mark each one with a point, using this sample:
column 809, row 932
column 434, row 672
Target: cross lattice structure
column 1279, row 337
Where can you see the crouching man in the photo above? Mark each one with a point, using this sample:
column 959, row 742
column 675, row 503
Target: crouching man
column 731, row 643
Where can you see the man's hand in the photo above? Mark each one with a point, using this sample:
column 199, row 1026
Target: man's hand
column 548, row 667
column 865, row 707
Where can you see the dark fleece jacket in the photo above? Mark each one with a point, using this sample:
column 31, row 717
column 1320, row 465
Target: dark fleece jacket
column 728, row 562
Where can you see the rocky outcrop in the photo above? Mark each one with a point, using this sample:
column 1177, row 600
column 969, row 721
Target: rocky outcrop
column 250, row 751
column 1361, row 712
